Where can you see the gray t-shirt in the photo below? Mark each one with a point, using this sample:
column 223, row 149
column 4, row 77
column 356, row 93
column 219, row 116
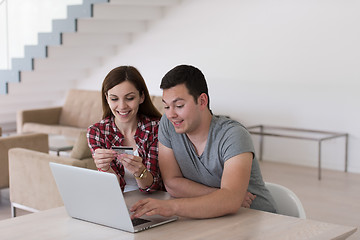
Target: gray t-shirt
column 227, row 138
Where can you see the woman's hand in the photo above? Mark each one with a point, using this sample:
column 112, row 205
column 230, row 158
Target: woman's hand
column 103, row 158
column 132, row 163
column 249, row 198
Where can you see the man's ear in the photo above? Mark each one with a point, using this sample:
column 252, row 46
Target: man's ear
column 203, row 100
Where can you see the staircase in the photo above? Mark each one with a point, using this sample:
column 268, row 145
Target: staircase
column 91, row 33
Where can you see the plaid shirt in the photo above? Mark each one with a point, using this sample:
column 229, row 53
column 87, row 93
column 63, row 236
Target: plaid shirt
column 105, row 134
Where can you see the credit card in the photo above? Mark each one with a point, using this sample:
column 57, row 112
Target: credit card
column 123, row 149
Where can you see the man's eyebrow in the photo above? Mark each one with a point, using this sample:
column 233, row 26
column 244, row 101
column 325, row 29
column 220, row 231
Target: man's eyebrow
column 174, row 101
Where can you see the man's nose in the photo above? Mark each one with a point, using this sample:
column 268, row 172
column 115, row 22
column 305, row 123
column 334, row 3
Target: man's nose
column 171, row 113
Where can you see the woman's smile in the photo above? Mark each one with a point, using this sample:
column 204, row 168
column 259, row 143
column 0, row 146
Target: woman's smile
column 123, row 114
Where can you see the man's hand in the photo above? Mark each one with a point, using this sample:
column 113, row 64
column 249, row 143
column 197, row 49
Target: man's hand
column 249, row 198
column 150, row 206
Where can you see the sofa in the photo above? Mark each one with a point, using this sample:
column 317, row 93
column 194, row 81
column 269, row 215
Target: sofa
column 32, row 186
column 81, row 109
column 34, row 141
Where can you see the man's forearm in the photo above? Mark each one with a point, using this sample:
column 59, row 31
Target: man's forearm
column 215, row 204
column 185, row 188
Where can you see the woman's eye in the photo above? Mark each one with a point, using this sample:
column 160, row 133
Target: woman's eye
column 166, row 107
column 179, row 106
column 130, row 98
column 113, row 99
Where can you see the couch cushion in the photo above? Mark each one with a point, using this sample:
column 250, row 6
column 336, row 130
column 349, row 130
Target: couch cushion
column 81, row 149
column 81, row 109
column 158, row 103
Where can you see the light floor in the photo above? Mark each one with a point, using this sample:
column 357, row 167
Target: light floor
column 334, row 199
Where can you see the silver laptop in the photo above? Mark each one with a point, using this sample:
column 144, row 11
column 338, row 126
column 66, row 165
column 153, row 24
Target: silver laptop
column 96, row 197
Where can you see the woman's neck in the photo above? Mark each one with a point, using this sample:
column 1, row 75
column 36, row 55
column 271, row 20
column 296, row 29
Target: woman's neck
column 128, row 128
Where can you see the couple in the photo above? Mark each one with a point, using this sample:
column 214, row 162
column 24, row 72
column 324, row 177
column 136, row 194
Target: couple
column 207, row 162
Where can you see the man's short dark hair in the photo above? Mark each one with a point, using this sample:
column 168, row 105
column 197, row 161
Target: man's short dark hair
column 191, row 76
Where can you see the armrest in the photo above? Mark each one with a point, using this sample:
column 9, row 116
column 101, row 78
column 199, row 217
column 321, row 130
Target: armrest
column 33, row 141
column 49, row 116
column 31, row 180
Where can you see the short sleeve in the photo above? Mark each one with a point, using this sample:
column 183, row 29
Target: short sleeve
column 238, row 141
column 164, row 134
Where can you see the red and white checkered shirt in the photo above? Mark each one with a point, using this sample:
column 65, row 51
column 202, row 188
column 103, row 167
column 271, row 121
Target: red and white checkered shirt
column 105, row 134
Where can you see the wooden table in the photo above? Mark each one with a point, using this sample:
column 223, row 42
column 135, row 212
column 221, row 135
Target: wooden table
column 246, row 224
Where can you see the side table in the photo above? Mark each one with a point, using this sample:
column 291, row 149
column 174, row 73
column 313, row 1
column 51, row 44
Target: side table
column 264, row 130
column 60, row 143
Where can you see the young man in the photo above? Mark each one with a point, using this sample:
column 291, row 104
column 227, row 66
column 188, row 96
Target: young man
column 207, row 162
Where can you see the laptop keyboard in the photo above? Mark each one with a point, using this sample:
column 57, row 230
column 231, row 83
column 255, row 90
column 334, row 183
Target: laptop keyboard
column 138, row 221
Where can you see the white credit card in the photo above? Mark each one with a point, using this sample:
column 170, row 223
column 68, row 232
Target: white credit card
column 123, row 149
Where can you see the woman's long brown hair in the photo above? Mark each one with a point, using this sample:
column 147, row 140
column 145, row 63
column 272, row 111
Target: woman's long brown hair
column 131, row 74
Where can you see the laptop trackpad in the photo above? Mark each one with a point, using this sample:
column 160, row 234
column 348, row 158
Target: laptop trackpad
column 138, row 221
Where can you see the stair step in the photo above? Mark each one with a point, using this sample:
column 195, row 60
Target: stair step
column 100, row 26
column 126, row 12
column 25, row 63
column 146, row 2
column 3, row 86
column 94, row 39
column 78, row 11
column 85, row 51
column 9, row 75
column 49, row 38
column 35, row 51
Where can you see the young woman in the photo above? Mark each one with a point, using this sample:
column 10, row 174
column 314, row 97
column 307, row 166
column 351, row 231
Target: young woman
column 129, row 119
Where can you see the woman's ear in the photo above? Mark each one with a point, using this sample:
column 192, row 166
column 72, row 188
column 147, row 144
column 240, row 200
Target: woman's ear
column 142, row 97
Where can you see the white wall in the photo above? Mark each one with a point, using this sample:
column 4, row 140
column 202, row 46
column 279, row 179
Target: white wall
column 285, row 63
column 25, row 20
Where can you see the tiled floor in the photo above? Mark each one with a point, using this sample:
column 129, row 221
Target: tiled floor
column 334, row 199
